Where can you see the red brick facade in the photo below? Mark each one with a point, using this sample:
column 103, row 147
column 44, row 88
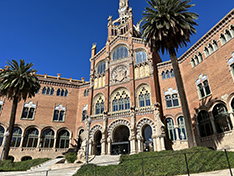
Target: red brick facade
column 126, row 98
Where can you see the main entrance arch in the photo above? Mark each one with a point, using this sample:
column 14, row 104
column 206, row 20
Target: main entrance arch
column 120, row 143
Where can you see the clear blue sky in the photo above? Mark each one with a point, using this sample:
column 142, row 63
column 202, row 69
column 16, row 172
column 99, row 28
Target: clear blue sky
column 57, row 35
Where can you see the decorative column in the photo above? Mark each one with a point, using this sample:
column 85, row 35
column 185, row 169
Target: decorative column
column 104, row 130
column 132, row 139
column 155, row 142
column 103, row 145
column 108, row 146
column 160, row 130
column 162, row 143
column 177, row 132
column 132, row 136
column 212, row 123
column 139, row 143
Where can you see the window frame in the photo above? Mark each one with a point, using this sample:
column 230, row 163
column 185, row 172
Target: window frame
column 203, row 87
column 59, row 109
column 29, row 106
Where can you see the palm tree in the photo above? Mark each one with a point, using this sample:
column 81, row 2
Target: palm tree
column 17, row 82
column 166, row 26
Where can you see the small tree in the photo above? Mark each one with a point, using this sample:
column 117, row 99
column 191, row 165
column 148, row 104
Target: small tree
column 17, row 82
column 71, row 157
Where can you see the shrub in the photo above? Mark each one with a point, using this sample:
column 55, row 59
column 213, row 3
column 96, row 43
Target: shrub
column 70, row 157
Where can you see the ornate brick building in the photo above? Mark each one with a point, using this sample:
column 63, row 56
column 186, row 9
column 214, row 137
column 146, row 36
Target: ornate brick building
column 131, row 98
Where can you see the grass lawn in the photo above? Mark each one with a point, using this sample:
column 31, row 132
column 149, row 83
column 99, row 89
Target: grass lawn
column 21, row 166
column 200, row 159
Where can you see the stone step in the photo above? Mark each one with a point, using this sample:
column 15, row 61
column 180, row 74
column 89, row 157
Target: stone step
column 105, row 160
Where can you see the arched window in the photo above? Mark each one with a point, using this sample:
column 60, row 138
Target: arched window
column 99, row 107
column 28, row 111
column 206, row 51
column 101, row 68
column 181, row 128
column 228, row 35
column 25, row 158
column 223, row 39
column 193, row 63
column 163, row 75
column 59, row 113
column 2, row 131
column 172, row 73
column 171, row 129
column 62, row 92
column 171, row 98
column 86, row 92
column 204, row 124
column 63, row 139
column 47, row 139
column 31, row 138
column 140, row 57
column 203, row 86
column 210, row 48
column 121, row 101
column 58, row 92
column 120, row 53
column 144, row 98
column 16, row 137
column 221, row 118
column 215, row 45
column 1, row 104
column 168, row 74
column 84, row 112
column 44, row 90
column 200, row 59
column 232, row 30
column 196, row 60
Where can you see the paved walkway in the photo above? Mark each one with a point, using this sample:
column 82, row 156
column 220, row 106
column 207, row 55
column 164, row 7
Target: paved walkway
column 225, row 172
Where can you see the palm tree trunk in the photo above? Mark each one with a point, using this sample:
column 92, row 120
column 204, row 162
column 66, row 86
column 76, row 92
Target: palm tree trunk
column 183, row 99
column 10, row 128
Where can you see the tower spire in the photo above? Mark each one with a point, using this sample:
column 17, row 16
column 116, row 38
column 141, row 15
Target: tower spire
column 123, row 3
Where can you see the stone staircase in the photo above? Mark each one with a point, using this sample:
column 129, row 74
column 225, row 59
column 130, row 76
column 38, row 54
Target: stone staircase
column 105, row 160
column 46, row 165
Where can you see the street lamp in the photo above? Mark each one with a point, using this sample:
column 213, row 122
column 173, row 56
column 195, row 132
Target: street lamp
column 5, row 136
column 87, row 148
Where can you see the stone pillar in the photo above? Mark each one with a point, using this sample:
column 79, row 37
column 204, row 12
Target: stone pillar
column 212, row 122
column 232, row 119
column 159, row 144
column 162, row 143
column 109, row 146
column 132, row 144
column 139, row 144
column 103, row 146
column 155, row 142
column 177, row 132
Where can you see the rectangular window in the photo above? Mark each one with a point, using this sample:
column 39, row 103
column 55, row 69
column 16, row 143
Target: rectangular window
column 175, row 100
column 168, row 101
column 55, row 118
column 207, row 88
column 0, row 108
column 201, row 91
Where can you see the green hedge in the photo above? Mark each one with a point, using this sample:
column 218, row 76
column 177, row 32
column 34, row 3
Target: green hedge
column 70, row 157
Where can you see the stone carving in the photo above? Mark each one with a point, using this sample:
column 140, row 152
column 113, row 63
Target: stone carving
column 119, row 74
